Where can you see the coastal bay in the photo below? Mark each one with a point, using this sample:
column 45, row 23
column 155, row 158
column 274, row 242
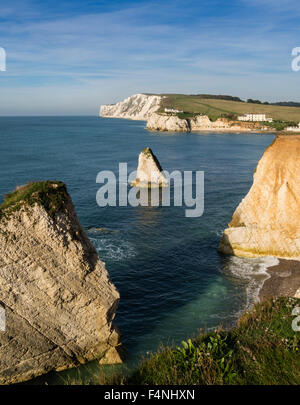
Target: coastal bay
column 171, row 279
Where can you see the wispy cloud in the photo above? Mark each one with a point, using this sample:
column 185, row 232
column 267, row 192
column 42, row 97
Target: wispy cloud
column 110, row 49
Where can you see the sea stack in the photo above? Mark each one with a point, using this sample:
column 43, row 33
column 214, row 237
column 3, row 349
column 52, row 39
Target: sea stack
column 149, row 171
column 58, row 299
column 267, row 221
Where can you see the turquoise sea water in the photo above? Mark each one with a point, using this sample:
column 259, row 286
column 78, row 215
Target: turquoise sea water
column 171, row 278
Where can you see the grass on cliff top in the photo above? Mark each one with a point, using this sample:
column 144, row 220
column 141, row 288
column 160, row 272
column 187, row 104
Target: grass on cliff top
column 263, row 349
column 215, row 108
column 147, row 152
column 50, row 194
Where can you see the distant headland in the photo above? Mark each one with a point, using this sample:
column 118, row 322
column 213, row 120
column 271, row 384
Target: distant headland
column 204, row 112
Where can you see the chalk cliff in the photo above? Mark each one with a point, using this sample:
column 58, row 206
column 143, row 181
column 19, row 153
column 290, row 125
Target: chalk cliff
column 149, row 171
column 136, row 107
column 58, row 298
column 267, row 221
column 158, row 122
column 145, row 107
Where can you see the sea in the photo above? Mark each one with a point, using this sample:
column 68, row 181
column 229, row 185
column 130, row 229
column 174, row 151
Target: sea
column 173, row 282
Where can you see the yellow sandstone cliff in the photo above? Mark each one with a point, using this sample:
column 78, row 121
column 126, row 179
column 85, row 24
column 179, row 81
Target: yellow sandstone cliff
column 267, row 221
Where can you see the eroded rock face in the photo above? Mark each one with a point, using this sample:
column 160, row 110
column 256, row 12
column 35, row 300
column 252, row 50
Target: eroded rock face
column 149, row 171
column 58, row 297
column 158, row 122
column 266, row 222
column 136, row 107
column 165, row 122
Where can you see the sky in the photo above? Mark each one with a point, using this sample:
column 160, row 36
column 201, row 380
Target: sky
column 69, row 57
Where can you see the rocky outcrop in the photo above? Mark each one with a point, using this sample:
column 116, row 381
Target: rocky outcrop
column 166, row 122
column 203, row 123
column 159, row 122
column 136, row 107
column 149, row 171
column 266, row 222
column 58, row 298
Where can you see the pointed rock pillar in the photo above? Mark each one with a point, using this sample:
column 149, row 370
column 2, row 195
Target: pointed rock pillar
column 149, row 171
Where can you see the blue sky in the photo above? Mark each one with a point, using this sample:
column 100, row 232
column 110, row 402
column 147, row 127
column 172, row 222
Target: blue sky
column 68, row 57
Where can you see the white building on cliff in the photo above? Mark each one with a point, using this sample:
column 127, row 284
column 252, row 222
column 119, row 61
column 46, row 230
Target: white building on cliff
column 255, row 117
column 171, row 110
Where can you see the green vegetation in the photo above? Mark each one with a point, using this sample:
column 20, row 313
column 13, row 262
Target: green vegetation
column 147, row 152
column 229, row 116
column 186, row 115
column 216, row 107
column 50, row 194
column 255, row 101
column 262, row 349
column 218, row 97
column 281, row 125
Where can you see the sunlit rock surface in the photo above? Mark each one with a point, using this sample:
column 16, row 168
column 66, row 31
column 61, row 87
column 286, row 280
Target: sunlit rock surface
column 58, row 298
column 149, row 171
column 267, row 221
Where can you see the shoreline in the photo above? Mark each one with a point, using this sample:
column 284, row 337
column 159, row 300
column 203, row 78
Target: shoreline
column 203, row 130
column 284, row 280
column 216, row 130
column 271, row 131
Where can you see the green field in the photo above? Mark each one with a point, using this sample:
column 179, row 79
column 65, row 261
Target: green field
column 215, row 108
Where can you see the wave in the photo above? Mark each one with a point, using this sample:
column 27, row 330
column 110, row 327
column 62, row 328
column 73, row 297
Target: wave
column 252, row 271
column 110, row 249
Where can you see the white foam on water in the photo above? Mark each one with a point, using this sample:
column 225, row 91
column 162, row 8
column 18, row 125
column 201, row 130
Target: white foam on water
column 253, row 271
column 114, row 250
column 219, row 233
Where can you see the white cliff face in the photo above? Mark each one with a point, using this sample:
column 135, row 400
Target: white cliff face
column 164, row 122
column 149, row 172
column 202, row 122
column 144, row 107
column 157, row 122
column 136, row 107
